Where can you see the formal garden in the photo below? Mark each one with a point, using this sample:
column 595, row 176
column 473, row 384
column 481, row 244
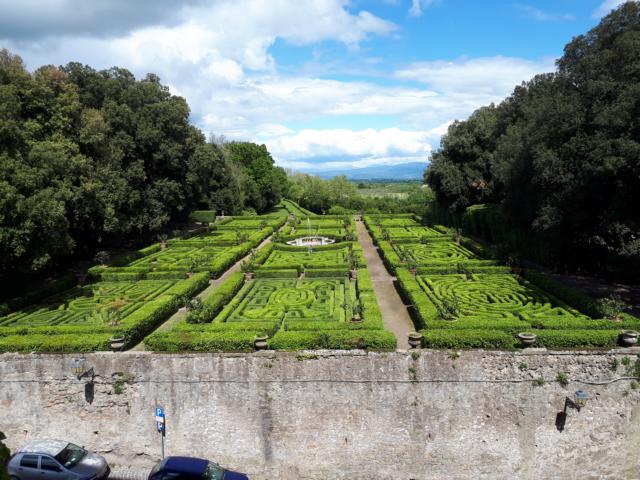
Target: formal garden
column 288, row 298
column 318, row 295
column 117, row 304
column 461, row 298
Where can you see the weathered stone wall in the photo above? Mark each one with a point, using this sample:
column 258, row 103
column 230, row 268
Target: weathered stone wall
column 338, row 415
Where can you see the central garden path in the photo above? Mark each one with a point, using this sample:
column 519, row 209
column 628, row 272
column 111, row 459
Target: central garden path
column 395, row 315
column 180, row 314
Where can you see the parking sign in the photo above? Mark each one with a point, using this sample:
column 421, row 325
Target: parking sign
column 160, row 419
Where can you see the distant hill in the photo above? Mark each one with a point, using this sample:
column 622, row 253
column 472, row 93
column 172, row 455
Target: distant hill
column 404, row 171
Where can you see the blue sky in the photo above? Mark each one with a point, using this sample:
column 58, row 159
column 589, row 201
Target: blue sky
column 325, row 84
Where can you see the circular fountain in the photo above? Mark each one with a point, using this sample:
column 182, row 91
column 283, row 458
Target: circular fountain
column 311, row 241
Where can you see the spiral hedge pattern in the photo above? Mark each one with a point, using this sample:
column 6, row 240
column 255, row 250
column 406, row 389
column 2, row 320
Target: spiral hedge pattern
column 309, row 300
column 493, row 296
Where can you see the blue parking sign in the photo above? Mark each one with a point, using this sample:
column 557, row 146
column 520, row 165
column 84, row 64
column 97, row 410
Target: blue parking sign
column 160, row 419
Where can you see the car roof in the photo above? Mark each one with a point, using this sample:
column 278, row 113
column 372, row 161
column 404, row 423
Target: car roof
column 48, row 447
column 186, row 465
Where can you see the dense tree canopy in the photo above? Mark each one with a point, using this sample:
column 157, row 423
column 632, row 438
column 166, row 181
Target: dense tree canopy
column 262, row 182
column 89, row 159
column 561, row 155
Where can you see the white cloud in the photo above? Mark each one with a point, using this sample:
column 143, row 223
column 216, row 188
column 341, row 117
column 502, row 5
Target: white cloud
column 417, row 6
column 495, row 76
column 606, row 7
column 240, row 30
column 343, row 148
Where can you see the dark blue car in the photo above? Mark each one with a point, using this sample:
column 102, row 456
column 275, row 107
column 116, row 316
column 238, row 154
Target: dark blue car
column 189, row 468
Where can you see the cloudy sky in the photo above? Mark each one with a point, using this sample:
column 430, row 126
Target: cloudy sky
column 325, row 84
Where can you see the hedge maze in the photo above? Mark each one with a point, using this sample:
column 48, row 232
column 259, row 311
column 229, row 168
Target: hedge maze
column 462, row 299
column 299, row 299
column 136, row 293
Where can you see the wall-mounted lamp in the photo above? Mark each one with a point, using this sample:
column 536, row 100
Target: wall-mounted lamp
column 80, row 370
column 578, row 401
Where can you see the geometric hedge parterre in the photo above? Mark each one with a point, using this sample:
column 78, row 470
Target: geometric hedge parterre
column 314, row 259
column 70, row 309
column 462, row 300
column 140, row 292
column 299, row 298
column 424, row 254
column 294, row 299
column 493, row 296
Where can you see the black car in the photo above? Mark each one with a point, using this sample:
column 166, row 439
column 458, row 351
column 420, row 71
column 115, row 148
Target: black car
column 189, row 468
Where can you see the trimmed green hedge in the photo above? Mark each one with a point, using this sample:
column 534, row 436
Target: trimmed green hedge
column 200, row 341
column 71, row 342
column 495, row 339
column 278, row 273
column 325, row 272
column 338, row 340
column 488, row 339
column 629, row 323
column 223, row 294
column 190, row 286
column 423, row 312
column 504, row 324
column 262, row 254
column 147, row 318
column 577, row 338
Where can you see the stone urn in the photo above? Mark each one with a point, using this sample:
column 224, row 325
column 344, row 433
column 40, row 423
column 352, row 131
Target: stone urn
column 248, row 275
column 629, row 338
column 526, row 339
column 260, row 343
column 117, row 343
column 356, row 319
column 354, row 274
column 415, row 339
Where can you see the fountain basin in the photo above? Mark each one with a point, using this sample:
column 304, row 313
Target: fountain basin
column 311, row 241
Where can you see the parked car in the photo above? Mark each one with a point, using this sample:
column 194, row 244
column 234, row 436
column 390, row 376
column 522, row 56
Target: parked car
column 56, row 460
column 189, row 468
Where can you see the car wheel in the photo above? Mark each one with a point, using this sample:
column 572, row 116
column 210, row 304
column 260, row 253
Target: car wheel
column 13, row 477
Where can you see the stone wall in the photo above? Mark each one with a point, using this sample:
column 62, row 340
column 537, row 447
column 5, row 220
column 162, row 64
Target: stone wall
column 338, row 414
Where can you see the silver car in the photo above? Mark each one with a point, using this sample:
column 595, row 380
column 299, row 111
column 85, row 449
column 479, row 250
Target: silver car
column 56, row 460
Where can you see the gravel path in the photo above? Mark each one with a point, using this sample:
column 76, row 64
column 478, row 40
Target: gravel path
column 213, row 284
column 395, row 315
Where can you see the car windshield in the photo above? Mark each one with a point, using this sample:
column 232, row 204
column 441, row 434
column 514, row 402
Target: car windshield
column 213, row 472
column 71, row 455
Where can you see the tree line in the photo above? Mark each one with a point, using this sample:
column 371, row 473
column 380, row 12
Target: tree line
column 559, row 159
column 340, row 196
column 90, row 160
